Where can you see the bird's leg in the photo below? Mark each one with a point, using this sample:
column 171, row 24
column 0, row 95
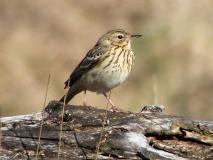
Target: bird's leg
column 109, row 100
column 113, row 108
column 85, row 99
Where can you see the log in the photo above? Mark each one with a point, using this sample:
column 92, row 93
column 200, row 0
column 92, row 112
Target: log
column 92, row 133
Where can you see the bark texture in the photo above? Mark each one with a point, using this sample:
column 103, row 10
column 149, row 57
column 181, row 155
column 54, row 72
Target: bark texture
column 92, row 133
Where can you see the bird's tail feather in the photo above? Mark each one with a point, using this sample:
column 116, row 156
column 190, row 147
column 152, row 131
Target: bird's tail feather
column 73, row 90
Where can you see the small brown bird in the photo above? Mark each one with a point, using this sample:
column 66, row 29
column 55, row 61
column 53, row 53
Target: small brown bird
column 104, row 67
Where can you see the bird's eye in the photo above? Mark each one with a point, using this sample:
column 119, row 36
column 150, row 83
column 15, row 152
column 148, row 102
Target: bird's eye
column 120, row 36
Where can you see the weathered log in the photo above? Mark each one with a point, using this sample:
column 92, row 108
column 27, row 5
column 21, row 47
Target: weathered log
column 116, row 135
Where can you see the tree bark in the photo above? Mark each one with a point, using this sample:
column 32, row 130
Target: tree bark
column 92, row 133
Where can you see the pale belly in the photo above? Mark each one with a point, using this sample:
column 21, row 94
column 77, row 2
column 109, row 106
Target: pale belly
column 105, row 77
column 102, row 81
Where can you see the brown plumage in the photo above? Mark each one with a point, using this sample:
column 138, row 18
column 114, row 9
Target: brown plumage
column 104, row 67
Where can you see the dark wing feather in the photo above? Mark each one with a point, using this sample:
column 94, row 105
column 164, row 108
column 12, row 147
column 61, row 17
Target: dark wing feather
column 89, row 61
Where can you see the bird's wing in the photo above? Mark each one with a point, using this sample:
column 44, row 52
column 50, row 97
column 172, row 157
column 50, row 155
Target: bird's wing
column 90, row 60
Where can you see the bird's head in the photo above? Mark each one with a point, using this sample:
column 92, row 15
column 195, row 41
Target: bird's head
column 117, row 37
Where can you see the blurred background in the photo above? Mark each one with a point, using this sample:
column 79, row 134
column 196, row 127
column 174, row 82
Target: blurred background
column 174, row 58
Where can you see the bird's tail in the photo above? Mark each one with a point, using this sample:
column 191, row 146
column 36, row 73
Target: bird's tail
column 73, row 90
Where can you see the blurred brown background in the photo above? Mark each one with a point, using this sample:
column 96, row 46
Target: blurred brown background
column 174, row 58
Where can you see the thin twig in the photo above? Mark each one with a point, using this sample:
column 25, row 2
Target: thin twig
column 102, row 130
column 62, row 120
column 40, row 130
column 0, row 129
column 155, row 89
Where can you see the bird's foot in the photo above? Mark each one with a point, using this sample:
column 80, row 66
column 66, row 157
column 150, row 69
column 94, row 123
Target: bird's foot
column 113, row 106
column 84, row 103
column 117, row 109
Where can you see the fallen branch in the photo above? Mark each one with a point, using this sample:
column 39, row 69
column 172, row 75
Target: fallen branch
column 146, row 135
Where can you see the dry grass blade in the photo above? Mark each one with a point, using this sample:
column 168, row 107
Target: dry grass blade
column 61, row 125
column 40, row 130
column 155, row 89
column 0, row 130
column 102, row 129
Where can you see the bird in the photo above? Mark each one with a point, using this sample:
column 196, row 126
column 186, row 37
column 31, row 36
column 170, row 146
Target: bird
column 104, row 67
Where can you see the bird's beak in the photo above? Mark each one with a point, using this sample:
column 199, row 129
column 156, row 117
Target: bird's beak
column 136, row 35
